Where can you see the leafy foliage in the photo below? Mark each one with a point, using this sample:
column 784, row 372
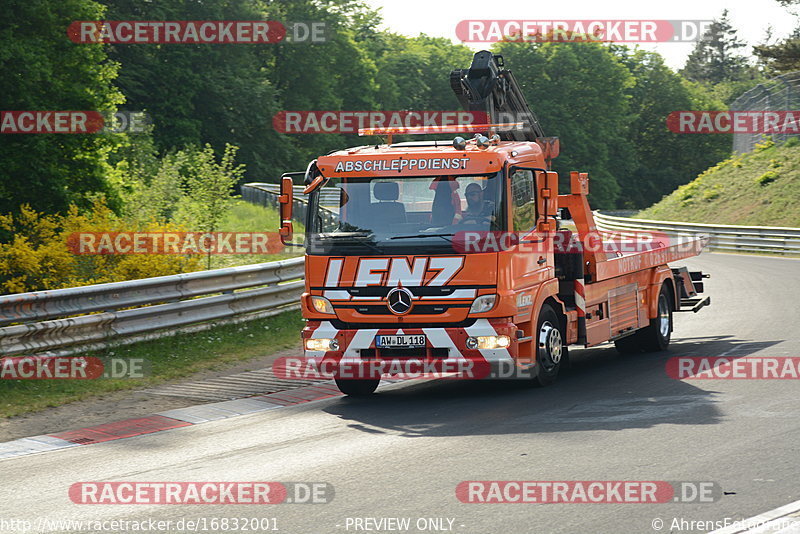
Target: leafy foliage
column 43, row 70
column 607, row 103
column 716, row 55
column 38, row 258
column 663, row 159
column 586, row 107
column 758, row 188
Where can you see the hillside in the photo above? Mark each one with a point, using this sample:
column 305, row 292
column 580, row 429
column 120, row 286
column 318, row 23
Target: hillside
column 759, row 188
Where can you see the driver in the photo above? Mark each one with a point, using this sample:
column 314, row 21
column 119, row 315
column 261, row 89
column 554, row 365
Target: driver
column 478, row 209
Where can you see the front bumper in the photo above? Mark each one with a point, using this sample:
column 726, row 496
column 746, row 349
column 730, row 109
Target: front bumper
column 444, row 356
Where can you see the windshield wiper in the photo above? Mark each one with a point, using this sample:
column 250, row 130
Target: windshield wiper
column 443, row 236
column 352, row 237
column 340, row 235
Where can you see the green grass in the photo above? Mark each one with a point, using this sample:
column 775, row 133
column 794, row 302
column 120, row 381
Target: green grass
column 246, row 217
column 761, row 188
column 168, row 359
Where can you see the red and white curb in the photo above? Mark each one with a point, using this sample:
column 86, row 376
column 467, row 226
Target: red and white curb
column 170, row 419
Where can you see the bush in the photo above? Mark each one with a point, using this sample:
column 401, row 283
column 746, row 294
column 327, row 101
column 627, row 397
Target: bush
column 36, row 256
column 792, row 141
column 767, row 178
column 765, row 144
column 711, row 193
column 686, row 192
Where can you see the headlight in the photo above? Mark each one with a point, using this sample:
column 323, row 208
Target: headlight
column 322, row 344
column 483, row 304
column 322, row 305
column 488, row 342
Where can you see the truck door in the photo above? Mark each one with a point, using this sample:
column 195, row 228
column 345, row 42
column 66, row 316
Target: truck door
column 532, row 258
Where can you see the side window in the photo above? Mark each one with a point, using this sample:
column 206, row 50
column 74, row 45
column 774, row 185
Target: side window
column 329, row 208
column 523, row 202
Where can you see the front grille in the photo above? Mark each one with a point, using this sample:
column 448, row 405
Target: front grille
column 418, row 309
column 343, row 325
column 418, row 291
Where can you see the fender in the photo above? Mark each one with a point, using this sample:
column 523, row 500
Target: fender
column 545, row 290
column 660, row 274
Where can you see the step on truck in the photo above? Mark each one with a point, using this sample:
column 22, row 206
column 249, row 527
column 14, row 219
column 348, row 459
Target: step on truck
column 463, row 251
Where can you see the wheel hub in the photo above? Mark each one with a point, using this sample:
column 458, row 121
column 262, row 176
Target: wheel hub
column 663, row 317
column 550, row 344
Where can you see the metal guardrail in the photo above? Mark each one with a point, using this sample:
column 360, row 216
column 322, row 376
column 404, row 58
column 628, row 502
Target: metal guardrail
column 723, row 237
column 74, row 317
column 267, row 195
column 95, row 316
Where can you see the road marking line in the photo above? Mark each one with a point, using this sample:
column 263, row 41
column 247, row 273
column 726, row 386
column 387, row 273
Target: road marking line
column 763, row 521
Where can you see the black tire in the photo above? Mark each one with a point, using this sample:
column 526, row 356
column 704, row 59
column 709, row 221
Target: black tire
column 655, row 337
column 360, row 387
column 550, row 349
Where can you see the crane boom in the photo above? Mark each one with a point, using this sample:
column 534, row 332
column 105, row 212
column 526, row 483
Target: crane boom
column 488, row 87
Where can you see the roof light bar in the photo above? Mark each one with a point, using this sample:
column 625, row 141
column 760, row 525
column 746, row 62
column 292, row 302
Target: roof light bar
column 456, row 128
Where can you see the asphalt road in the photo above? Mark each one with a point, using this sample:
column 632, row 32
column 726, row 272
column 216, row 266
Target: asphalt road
column 403, row 452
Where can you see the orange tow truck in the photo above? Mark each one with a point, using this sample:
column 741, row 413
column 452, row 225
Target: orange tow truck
column 464, row 251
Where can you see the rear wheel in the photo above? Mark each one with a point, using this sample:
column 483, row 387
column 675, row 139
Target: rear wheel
column 655, row 337
column 550, row 349
column 358, row 387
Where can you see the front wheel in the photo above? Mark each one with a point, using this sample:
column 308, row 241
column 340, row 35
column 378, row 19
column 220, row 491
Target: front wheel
column 358, row 387
column 550, row 349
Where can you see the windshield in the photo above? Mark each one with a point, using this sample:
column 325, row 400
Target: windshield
column 403, row 215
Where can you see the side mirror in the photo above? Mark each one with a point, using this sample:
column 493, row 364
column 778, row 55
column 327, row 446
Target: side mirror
column 286, row 201
column 547, row 193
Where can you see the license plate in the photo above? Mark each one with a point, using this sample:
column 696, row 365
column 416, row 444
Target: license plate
column 400, row 341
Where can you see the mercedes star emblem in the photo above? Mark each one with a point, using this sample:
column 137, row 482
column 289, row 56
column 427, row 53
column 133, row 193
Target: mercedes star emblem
column 399, row 300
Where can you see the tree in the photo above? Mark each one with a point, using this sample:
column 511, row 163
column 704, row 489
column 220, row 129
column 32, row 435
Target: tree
column 205, row 93
column 209, row 185
column 337, row 74
column 43, row 70
column 578, row 92
column 780, row 57
column 664, row 159
column 715, row 57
